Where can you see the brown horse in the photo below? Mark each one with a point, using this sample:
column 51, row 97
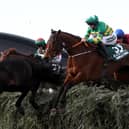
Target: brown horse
column 85, row 63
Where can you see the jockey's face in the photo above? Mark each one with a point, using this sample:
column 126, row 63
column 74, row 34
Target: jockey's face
column 93, row 26
column 40, row 46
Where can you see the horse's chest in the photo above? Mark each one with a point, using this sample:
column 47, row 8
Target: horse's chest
column 73, row 70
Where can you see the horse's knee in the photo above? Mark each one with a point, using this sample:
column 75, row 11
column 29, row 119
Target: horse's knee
column 33, row 103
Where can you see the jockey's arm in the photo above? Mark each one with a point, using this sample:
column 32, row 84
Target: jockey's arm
column 95, row 40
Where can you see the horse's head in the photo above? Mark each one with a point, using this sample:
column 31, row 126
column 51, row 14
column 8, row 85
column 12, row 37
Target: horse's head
column 54, row 44
column 59, row 40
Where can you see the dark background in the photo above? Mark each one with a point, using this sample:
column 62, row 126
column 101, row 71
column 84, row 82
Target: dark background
column 22, row 44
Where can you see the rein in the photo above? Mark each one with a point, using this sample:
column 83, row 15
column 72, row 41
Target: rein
column 79, row 43
column 82, row 53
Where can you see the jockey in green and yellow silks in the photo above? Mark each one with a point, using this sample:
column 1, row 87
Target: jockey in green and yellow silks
column 99, row 33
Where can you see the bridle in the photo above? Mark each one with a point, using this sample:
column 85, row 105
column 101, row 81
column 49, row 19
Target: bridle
column 63, row 45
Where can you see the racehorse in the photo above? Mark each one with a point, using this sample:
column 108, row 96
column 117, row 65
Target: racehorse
column 23, row 73
column 85, row 63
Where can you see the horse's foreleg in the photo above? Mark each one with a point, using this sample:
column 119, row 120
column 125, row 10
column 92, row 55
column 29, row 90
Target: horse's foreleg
column 68, row 83
column 63, row 90
column 56, row 101
column 58, row 97
column 32, row 98
column 19, row 101
column 68, row 78
column 72, row 80
column 62, row 98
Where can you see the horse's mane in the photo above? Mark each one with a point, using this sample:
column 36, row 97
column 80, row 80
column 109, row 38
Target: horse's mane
column 75, row 36
column 71, row 34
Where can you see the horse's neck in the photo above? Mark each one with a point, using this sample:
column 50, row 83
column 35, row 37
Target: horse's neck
column 68, row 41
column 69, row 38
column 74, row 46
column 80, row 48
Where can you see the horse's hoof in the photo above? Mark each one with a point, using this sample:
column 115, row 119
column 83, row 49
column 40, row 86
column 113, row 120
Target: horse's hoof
column 21, row 110
column 53, row 112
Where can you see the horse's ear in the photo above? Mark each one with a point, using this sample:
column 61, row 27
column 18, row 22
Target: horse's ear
column 59, row 31
column 53, row 31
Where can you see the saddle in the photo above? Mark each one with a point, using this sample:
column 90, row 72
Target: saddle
column 113, row 52
column 117, row 51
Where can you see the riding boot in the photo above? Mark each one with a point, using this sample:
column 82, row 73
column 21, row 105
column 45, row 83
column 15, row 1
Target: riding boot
column 104, row 52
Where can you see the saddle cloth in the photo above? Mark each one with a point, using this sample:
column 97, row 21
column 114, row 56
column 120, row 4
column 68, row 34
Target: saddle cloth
column 117, row 51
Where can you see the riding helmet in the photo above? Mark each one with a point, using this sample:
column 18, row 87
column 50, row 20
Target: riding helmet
column 40, row 41
column 119, row 33
column 92, row 20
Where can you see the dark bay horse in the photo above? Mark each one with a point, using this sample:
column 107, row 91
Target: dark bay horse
column 23, row 73
column 84, row 61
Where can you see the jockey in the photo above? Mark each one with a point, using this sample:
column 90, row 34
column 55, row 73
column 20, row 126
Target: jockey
column 121, row 36
column 41, row 46
column 99, row 33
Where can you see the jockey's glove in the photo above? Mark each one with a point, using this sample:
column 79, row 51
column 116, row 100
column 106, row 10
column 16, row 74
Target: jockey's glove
column 89, row 40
